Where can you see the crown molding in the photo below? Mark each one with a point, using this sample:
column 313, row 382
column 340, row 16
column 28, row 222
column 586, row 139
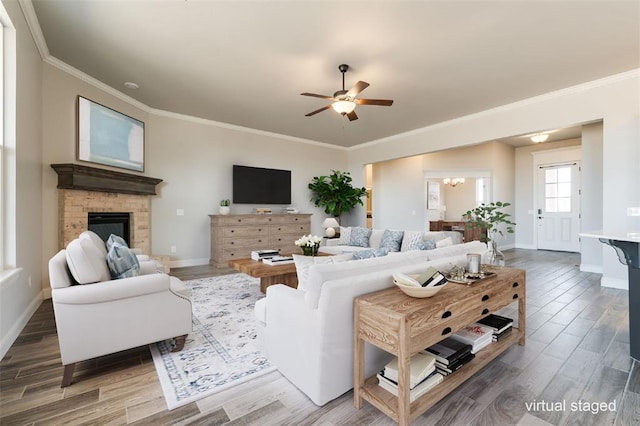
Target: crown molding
column 34, row 26
column 208, row 122
column 583, row 87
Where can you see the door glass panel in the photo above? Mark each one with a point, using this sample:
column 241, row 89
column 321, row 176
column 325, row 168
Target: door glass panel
column 557, row 189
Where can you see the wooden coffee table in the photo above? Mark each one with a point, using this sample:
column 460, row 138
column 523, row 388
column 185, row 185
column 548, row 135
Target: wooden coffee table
column 269, row 275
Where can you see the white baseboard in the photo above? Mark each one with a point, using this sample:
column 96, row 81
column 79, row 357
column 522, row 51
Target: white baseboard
column 188, row 262
column 618, row 283
column 596, row 269
column 17, row 327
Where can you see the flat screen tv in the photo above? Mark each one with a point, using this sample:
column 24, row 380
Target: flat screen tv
column 256, row 185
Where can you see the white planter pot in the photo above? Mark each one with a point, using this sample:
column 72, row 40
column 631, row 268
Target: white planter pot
column 225, row 209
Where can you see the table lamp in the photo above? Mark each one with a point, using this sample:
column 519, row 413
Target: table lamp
column 329, row 224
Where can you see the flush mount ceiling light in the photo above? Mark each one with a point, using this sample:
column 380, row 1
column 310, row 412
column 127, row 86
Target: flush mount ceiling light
column 130, row 85
column 540, row 137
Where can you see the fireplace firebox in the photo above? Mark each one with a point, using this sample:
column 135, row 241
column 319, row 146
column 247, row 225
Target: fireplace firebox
column 106, row 223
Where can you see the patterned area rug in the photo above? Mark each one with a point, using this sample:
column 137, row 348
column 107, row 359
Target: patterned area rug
column 221, row 352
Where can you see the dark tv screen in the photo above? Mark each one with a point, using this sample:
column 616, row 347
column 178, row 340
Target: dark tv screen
column 256, row 185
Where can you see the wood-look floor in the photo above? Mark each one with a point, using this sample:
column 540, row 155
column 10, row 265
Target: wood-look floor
column 577, row 350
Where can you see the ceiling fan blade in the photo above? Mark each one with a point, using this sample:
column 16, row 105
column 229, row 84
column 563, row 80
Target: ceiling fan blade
column 357, row 88
column 352, row 115
column 317, row 111
column 315, row 95
column 381, row 102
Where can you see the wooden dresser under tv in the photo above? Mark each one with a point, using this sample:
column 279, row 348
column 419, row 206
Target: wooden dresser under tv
column 234, row 236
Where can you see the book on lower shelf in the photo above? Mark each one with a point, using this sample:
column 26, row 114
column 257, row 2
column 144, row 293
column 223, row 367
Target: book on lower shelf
column 431, row 381
column 278, row 260
column 505, row 333
column 445, row 370
column 497, row 322
column 448, row 350
column 421, row 365
column 476, row 335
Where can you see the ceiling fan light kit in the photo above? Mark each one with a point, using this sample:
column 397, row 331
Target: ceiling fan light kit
column 344, row 101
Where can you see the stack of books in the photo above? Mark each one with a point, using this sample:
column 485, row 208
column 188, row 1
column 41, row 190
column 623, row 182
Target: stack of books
column 278, row 260
column 501, row 326
column 451, row 355
column 264, row 254
column 422, row 376
column 477, row 335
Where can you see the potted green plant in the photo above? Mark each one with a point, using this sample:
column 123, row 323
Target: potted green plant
column 225, row 206
column 335, row 193
column 491, row 221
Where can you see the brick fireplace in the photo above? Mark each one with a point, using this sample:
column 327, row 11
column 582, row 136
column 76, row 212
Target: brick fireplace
column 84, row 190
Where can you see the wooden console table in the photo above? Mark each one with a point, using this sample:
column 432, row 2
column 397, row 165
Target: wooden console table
column 403, row 326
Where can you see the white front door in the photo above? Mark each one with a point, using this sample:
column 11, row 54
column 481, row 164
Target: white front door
column 558, row 207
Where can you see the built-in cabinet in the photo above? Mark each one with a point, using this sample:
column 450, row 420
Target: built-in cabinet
column 234, row 236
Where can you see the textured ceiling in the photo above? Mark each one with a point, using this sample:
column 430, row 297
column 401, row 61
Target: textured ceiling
column 245, row 63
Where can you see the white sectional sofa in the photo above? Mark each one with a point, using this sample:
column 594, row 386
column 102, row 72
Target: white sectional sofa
column 307, row 333
column 343, row 244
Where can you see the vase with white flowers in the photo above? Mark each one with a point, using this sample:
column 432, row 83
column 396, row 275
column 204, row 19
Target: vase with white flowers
column 309, row 244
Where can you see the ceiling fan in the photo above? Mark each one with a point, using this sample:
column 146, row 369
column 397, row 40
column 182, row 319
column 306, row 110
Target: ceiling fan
column 344, row 102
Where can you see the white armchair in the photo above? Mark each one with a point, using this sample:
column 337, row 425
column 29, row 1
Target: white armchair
column 96, row 316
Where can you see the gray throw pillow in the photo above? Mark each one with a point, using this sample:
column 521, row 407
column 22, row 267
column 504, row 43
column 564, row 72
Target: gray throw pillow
column 368, row 254
column 360, row 236
column 122, row 262
column 426, row 245
column 114, row 239
column 391, row 240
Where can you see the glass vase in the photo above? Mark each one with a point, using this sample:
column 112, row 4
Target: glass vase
column 310, row 250
column 496, row 257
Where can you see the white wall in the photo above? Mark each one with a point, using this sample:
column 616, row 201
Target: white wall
column 195, row 160
column 21, row 295
column 591, row 249
column 614, row 100
column 524, row 181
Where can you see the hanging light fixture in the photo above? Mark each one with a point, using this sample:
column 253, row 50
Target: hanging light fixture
column 343, row 106
column 540, row 137
column 453, row 181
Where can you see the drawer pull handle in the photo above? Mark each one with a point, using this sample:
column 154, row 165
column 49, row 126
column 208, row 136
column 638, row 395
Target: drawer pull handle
column 232, row 231
column 515, row 296
column 259, row 241
column 259, row 229
column 515, row 285
column 232, row 242
column 446, row 331
column 485, row 311
column 239, row 220
column 447, row 314
column 485, row 297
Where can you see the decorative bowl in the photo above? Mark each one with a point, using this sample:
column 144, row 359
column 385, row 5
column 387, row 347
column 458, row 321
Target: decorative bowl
column 415, row 290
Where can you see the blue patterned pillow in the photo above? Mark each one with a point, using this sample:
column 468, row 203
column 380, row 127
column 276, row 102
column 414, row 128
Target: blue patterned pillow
column 368, row 254
column 360, row 236
column 426, row 245
column 114, row 239
column 122, row 262
column 391, row 240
